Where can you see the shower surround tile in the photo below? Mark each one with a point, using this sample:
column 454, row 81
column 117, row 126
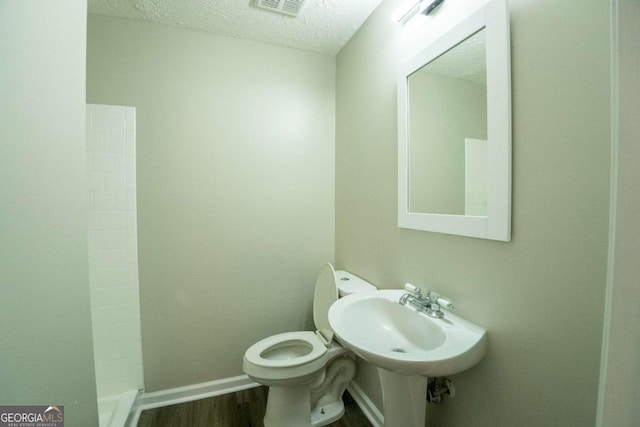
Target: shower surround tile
column 113, row 261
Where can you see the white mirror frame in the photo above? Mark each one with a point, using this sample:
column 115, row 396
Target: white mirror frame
column 494, row 17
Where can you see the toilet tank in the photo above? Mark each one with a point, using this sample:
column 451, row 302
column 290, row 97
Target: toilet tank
column 348, row 283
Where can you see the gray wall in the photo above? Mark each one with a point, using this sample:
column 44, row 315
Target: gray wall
column 235, row 187
column 539, row 296
column 45, row 322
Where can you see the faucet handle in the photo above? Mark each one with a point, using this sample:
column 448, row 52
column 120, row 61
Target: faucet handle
column 443, row 302
column 413, row 289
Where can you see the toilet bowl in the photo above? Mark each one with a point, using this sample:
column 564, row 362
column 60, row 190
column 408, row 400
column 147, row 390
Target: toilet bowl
column 307, row 372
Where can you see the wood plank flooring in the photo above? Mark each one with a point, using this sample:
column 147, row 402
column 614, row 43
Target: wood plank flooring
column 240, row 409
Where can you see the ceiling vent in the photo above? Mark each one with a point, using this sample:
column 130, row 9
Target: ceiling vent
column 286, row 7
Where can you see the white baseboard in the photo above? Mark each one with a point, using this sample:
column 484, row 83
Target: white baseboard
column 367, row 407
column 188, row 393
column 193, row 392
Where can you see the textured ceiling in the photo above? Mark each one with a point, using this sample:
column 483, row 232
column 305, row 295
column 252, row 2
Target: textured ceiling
column 466, row 61
column 323, row 25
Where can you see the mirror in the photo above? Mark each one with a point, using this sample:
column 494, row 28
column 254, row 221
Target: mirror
column 454, row 131
column 447, row 129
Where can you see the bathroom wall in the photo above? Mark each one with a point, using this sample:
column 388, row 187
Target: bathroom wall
column 45, row 320
column 620, row 376
column 541, row 295
column 113, row 251
column 235, row 187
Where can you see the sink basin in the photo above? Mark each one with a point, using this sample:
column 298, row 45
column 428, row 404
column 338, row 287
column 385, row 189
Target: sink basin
column 401, row 339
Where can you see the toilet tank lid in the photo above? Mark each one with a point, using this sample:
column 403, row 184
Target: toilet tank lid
column 349, row 283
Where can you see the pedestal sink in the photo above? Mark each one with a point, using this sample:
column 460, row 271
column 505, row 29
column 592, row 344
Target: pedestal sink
column 407, row 346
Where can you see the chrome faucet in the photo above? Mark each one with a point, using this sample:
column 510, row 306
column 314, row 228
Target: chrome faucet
column 429, row 303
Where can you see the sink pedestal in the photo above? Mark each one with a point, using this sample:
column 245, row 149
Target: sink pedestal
column 404, row 398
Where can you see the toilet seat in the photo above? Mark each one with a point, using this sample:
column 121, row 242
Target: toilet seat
column 286, row 349
column 290, row 357
column 296, row 356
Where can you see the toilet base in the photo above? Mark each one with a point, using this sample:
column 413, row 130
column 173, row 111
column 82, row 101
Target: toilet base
column 288, row 406
column 323, row 415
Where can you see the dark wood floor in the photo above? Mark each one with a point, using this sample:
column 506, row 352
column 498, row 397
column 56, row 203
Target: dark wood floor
column 240, row 409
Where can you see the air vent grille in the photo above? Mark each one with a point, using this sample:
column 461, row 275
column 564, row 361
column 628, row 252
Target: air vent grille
column 287, row 7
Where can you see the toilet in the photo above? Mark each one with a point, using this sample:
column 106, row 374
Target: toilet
column 307, row 372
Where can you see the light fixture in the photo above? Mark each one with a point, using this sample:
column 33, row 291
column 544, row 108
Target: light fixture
column 425, row 7
column 431, row 7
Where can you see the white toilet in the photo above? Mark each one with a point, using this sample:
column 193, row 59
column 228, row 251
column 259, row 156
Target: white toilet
column 307, row 372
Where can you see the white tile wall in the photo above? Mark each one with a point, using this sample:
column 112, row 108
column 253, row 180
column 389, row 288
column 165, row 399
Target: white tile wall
column 113, row 261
